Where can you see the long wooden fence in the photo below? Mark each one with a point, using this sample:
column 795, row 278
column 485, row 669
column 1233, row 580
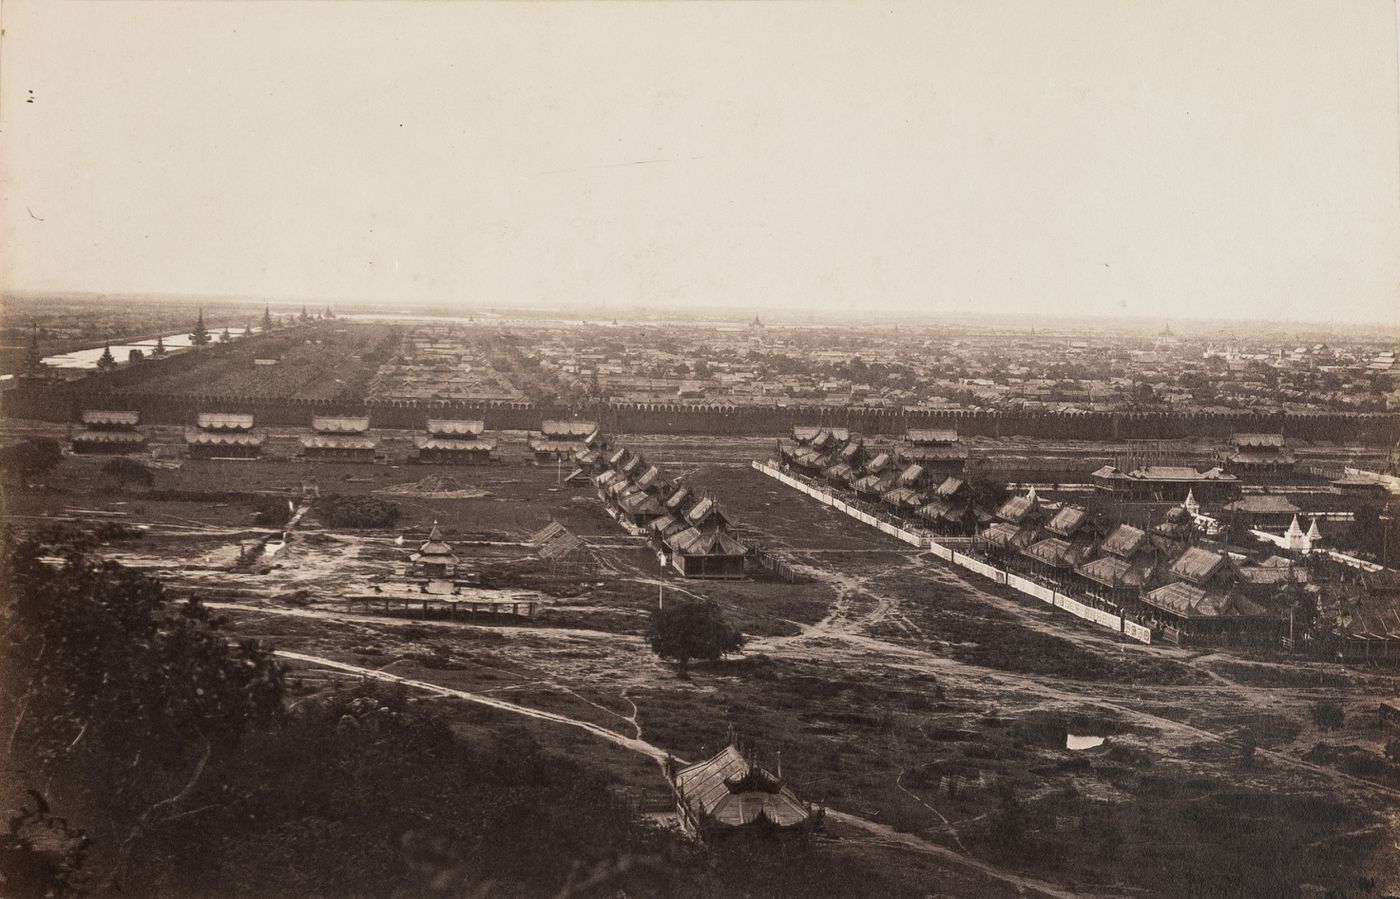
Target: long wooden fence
column 924, row 540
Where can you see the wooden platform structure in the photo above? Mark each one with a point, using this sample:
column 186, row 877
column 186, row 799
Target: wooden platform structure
column 428, row 605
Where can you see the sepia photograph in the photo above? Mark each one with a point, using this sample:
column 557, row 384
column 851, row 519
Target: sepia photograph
column 587, row 449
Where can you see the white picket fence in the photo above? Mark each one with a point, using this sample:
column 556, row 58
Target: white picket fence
column 821, row 496
column 1122, row 625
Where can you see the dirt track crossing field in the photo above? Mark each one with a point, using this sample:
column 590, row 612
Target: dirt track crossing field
column 926, row 707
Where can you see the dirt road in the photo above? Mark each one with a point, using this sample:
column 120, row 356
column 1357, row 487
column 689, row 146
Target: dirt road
column 885, row 833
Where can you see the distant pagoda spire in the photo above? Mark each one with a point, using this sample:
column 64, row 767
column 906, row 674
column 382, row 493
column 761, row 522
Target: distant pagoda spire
column 1295, row 538
column 33, row 356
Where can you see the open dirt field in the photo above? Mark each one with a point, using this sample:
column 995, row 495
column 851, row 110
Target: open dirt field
column 929, row 712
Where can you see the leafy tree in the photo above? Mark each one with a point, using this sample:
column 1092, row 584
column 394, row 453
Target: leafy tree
column 128, row 473
column 116, row 699
column 160, row 347
column 692, row 630
column 1328, row 715
column 267, row 320
column 106, row 362
column 225, row 336
column 31, row 456
column 200, row 335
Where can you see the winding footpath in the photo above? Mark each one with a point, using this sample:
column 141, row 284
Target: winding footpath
column 886, row 833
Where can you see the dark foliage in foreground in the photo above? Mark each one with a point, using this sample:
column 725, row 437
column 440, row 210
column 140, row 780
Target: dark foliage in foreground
column 150, row 756
column 114, row 699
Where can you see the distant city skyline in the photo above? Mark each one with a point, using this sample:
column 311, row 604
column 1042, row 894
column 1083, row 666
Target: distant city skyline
column 1156, row 161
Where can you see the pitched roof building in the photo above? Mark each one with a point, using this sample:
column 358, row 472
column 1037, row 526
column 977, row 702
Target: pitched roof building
column 728, row 794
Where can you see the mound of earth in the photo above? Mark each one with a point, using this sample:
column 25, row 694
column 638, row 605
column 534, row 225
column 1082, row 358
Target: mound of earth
column 437, row 486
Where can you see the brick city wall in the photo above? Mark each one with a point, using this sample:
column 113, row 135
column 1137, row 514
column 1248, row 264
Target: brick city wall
column 64, row 403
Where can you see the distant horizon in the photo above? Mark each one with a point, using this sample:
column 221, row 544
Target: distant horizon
column 1173, row 159
column 644, row 313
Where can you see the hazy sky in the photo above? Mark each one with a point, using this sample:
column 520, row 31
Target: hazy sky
column 1174, row 158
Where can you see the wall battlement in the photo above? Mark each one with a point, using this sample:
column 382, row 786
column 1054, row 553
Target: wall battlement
column 64, row 403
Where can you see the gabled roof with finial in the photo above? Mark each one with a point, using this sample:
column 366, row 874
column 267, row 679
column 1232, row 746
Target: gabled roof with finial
column 731, row 790
column 435, row 548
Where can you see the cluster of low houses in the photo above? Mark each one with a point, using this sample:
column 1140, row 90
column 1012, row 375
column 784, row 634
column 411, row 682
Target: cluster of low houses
column 1163, row 576
column 1172, row 577
column 691, row 533
column 1169, row 576
column 923, row 475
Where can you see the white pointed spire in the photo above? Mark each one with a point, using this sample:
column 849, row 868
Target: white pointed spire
column 1030, row 494
column 1295, row 538
column 1313, row 532
column 1191, row 505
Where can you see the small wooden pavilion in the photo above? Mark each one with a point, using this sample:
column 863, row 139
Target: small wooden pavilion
column 1259, row 456
column 729, row 796
column 339, row 438
column 109, row 431
column 454, row 442
column 224, row 435
column 936, row 449
column 706, row 554
column 562, row 439
column 435, row 558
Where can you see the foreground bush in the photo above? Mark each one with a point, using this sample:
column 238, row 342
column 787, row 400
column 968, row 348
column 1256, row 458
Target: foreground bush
column 340, row 511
